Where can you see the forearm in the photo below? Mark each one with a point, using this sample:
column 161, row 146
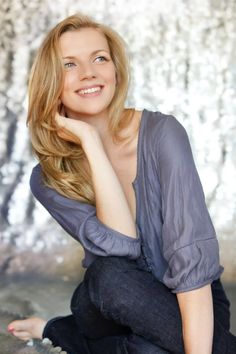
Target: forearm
column 196, row 309
column 111, row 204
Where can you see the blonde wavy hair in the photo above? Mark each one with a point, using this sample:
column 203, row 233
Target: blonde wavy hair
column 62, row 162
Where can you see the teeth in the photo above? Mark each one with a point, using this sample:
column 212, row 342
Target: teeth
column 91, row 90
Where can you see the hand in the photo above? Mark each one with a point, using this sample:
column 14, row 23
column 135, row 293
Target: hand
column 73, row 130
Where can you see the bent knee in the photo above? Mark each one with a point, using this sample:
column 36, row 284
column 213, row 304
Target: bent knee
column 106, row 274
column 107, row 266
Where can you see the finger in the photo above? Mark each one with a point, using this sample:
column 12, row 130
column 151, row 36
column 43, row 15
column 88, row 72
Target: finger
column 60, row 120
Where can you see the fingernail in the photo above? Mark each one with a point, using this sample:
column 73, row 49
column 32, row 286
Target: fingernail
column 10, row 329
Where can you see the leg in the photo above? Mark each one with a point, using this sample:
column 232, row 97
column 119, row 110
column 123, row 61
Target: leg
column 123, row 344
column 121, row 292
column 224, row 341
column 88, row 316
column 109, row 337
column 134, row 344
column 64, row 332
column 221, row 304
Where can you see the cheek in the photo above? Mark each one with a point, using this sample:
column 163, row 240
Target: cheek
column 64, row 94
column 113, row 78
column 114, row 74
column 67, row 89
column 111, row 74
column 68, row 82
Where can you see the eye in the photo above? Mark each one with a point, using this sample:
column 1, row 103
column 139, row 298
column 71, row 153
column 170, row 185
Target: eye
column 101, row 59
column 69, row 66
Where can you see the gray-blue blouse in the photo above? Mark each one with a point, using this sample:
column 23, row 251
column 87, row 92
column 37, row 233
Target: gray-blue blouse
column 175, row 232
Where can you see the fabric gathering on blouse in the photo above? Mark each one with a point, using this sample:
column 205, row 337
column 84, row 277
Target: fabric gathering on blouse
column 175, row 232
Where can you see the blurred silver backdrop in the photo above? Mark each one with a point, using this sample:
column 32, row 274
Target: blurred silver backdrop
column 183, row 62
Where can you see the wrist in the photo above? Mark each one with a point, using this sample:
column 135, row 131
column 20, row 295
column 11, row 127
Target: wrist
column 91, row 141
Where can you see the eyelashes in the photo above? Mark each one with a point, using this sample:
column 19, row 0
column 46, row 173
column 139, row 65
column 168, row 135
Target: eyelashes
column 69, row 65
column 101, row 58
column 72, row 64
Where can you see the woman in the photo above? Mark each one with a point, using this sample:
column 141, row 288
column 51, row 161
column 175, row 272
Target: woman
column 123, row 183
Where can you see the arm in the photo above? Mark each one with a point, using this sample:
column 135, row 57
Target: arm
column 111, row 204
column 190, row 246
column 80, row 221
column 197, row 319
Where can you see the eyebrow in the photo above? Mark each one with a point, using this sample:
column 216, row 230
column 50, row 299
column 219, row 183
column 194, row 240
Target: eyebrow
column 94, row 52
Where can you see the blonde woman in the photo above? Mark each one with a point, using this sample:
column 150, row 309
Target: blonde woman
column 123, row 183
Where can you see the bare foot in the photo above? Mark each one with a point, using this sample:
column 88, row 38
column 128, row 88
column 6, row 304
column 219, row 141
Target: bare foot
column 27, row 329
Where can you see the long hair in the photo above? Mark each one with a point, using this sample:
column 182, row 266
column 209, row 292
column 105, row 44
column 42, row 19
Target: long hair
column 63, row 162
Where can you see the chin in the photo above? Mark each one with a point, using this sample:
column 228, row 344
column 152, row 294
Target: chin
column 89, row 111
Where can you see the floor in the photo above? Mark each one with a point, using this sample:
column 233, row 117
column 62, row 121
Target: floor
column 28, row 296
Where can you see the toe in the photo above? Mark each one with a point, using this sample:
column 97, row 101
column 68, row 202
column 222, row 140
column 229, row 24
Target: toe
column 17, row 326
column 23, row 335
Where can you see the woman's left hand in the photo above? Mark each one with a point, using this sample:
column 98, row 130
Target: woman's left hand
column 73, row 130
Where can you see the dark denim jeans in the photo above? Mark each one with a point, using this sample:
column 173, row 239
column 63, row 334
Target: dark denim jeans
column 120, row 308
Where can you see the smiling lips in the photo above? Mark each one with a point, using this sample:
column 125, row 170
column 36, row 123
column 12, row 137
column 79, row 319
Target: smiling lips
column 90, row 91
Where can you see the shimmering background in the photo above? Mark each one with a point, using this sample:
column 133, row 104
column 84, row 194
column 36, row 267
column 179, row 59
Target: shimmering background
column 183, row 62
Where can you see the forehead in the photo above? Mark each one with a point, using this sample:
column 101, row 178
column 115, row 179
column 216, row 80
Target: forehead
column 83, row 41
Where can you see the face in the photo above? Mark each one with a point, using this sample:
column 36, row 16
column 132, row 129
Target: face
column 90, row 75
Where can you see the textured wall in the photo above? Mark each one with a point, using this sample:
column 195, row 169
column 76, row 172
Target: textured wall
column 183, row 56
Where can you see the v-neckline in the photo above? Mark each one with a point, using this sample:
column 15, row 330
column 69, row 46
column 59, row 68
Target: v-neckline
column 138, row 159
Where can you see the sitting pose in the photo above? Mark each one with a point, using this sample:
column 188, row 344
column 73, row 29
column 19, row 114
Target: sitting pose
column 124, row 184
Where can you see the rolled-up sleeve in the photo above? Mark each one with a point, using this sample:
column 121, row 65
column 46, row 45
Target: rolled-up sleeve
column 189, row 241
column 80, row 221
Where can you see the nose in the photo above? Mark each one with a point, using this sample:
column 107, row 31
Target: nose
column 86, row 71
